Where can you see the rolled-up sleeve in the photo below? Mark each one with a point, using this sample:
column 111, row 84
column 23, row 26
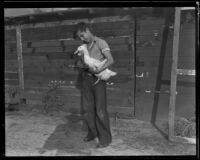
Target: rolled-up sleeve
column 104, row 46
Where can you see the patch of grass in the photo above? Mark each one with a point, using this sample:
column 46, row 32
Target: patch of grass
column 183, row 127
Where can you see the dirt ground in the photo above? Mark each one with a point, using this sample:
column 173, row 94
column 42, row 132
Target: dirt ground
column 29, row 132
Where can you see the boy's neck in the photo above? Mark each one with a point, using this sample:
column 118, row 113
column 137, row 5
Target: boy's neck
column 91, row 38
column 91, row 41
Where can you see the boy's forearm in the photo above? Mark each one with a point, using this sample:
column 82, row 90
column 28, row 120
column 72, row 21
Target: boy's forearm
column 106, row 65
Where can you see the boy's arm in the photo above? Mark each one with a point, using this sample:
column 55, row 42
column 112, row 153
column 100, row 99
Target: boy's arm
column 105, row 49
column 108, row 63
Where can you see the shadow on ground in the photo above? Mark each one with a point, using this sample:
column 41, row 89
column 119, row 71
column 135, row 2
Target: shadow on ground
column 68, row 138
column 32, row 133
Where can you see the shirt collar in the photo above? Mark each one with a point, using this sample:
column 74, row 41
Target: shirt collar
column 94, row 41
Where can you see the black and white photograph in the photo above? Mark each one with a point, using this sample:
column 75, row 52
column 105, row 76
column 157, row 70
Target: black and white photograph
column 100, row 81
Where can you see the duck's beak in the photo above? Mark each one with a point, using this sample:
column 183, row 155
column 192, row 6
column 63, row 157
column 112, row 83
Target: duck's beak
column 76, row 52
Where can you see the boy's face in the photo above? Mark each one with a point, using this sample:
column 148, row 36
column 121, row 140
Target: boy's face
column 84, row 35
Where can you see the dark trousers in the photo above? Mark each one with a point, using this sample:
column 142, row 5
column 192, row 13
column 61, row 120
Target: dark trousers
column 95, row 108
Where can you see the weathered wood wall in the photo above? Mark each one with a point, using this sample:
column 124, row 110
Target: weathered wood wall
column 47, row 55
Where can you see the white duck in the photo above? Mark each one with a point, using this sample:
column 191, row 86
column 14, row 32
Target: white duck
column 94, row 63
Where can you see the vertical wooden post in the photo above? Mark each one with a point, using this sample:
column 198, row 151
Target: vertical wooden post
column 132, row 62
column 174, row 72
column 19, row 56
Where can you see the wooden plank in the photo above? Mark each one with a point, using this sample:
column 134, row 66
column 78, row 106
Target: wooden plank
column 63, row 32
column 181, row 90
column 120, row 47
column 165, row 89
column 187, row 62
column 10, row 57
column 11, row 82
column 54, row 55
column 180, row 83
column 109, row 40
column 112, row 94
column 188, row 39
column 186, row 72
column 61, row 75
column 65, row 35
column 54, row 19
column 11, row 75
column 117, row 40
column 150, row 32
column 149, row 19
column 173, row 73
column 187, row 78
column 54, row 75
column 112, row 100
column 113, row 47
column 10, row 45
column 41, row 60
column 150, row 51
column 71, row 42
column 27, row 50
column 150, row 81
column 54, row 43
column 42, row 70
column 151, row 43
column 147, row 38
column 73, row 97
column 117, row 84
column 149, row 27
column 7, row 50
column 118, row 52
column 32, row 58
column 70, row 49
column 119, row 57
column 73, row 90
column 48, row 49
column 10, row 35
column 11, row 66
column 112, row 33
column 190, row 31
column 110, row 25
column 131, row 98
column 20, row 57
column 66, row 70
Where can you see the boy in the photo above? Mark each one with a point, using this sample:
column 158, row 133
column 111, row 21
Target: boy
column 94, row 96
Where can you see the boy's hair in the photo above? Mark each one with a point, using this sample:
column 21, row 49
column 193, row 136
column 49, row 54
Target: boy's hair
column 82, row 26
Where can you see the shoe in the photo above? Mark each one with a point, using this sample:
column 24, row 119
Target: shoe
column 99, row 145
column 89, row 138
